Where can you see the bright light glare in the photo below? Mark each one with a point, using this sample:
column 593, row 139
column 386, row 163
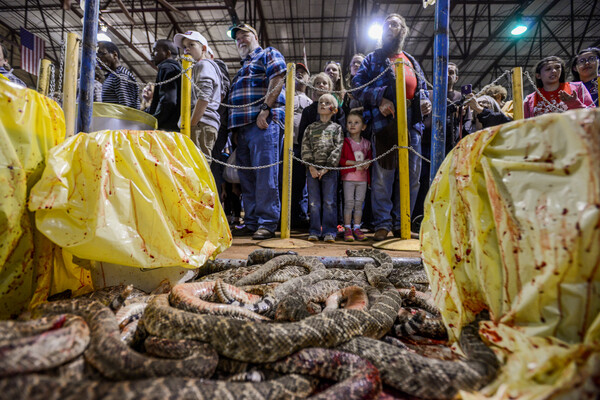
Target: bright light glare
column 103, row 37
column 375, row 31
column 518, row 30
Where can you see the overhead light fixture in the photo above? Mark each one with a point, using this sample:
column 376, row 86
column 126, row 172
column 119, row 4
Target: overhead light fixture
column 230, row 31
column 519, row 27
column 375, row 31
column 103, row 37
column 102, row 27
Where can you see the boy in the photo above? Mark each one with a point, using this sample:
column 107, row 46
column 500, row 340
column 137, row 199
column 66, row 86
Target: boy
column 206, row 91
column 322, row 145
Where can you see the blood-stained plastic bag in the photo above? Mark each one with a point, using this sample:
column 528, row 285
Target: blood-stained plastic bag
column 30, row 124
column 512, row 224
column 142, row 199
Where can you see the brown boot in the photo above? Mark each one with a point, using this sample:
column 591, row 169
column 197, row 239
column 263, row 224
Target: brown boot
column 380, row 234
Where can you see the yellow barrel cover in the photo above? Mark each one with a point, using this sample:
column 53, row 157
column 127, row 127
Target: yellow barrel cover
column 134, row 198
column 512, row 224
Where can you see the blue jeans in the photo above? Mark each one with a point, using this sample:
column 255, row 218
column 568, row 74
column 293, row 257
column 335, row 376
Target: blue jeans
column 260, row 190
column 321, row 203
column 385, row 185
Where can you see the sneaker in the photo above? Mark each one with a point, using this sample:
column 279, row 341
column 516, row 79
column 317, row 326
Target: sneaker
column 359, row 235
column 348, row 236
column 329, row 238
column 313, row 238
column 243, row 231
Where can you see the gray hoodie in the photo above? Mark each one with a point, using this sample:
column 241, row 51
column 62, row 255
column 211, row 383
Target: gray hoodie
column 207, row 77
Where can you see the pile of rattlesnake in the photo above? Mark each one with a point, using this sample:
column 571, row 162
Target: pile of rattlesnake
column 177, row 346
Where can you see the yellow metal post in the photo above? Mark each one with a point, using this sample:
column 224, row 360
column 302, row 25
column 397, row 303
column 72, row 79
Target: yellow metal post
column 286, row 196
column 186, row 98
column 517, row 92
column 402, row 153
column 44, row 77
column 70, row 84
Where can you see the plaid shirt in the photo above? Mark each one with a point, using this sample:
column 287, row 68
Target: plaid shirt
column 251, row 83
column 374, row 64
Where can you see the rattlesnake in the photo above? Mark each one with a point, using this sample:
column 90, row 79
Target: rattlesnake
column 265, row 342
column 113, row 358
column 426, row 377
column 44, row 350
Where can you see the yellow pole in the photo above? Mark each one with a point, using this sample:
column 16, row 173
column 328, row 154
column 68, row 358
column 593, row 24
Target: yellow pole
column 517, row 92
column 186, row 98
column 286, row 196
column 70, row 84
column 44, row 77
column 402, row 153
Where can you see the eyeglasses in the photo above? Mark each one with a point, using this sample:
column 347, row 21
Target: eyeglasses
column 583, row 61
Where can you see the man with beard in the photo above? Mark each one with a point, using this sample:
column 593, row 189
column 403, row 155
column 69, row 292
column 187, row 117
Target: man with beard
column 166, row 100
column 379, row 99
column 258, row 129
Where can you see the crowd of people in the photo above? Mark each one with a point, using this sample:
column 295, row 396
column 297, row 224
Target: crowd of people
column 338, row 121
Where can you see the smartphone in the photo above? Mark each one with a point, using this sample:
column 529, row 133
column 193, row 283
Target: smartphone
column 466, row 89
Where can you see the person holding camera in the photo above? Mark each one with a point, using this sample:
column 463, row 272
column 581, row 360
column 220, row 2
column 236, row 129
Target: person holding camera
column 486, row 111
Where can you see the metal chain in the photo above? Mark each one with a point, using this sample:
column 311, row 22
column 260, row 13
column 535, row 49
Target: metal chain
column 276, row 87
column 364, row 163
column 52, row 78
column 506, row 72
column 143, row 84
column 63, row 51
column 208, row 157
column 348, row 90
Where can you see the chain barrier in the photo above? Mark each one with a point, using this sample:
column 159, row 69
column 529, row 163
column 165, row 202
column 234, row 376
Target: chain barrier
column 52, row 83
column 292, row 156
column 63, row 52
column 141, row 85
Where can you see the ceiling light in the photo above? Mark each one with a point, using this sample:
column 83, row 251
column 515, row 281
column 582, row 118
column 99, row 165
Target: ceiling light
column 518, row 30
column 103, row 37
column 375, row 31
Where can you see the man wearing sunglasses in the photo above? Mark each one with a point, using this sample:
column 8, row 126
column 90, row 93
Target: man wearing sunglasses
column 379, row 99
column 258, row 128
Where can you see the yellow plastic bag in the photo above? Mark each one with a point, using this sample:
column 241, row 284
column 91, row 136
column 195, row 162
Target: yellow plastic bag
column 30, row 124
column 135, row 198
column 512, row 224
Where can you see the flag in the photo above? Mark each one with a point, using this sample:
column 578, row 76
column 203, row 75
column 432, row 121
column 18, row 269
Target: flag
column 32, row 51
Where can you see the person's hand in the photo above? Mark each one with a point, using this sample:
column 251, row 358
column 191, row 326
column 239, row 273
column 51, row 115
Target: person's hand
column 568, row 99
column 261, row 120
column 321, row 173
column 314, row 172
column 472, row 103
column 387, row 108
column 425, row 108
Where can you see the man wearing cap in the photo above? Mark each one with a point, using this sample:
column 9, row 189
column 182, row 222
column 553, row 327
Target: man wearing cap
column 166, row 100
column 258, row 129
column 206, row 90
column 299, row 207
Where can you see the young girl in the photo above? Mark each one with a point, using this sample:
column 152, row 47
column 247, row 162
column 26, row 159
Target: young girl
column 334, row 70
column 355, row 150
column 322, row 145
column 557, row 94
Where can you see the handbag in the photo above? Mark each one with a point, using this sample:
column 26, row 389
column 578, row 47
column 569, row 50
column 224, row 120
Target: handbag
column 230, row 174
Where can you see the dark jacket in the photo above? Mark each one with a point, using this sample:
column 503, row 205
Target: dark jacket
column 491, row 118
column 166, row 101
column 385, row 86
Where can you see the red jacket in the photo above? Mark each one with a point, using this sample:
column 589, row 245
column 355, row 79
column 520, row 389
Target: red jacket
column 348, row 155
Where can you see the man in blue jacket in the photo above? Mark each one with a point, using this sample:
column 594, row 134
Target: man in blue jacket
column 379, row 100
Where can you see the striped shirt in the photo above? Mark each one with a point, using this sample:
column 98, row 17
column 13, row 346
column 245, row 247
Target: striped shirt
column 118, row 89
column 252, row 82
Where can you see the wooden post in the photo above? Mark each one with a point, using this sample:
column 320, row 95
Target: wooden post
column 402, row 153
column 44, row 77
column 517, row 92
column 186, row 98
column 70, row 84
column 286, row 196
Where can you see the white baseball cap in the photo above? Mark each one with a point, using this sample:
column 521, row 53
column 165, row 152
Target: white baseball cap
column 192, row 35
